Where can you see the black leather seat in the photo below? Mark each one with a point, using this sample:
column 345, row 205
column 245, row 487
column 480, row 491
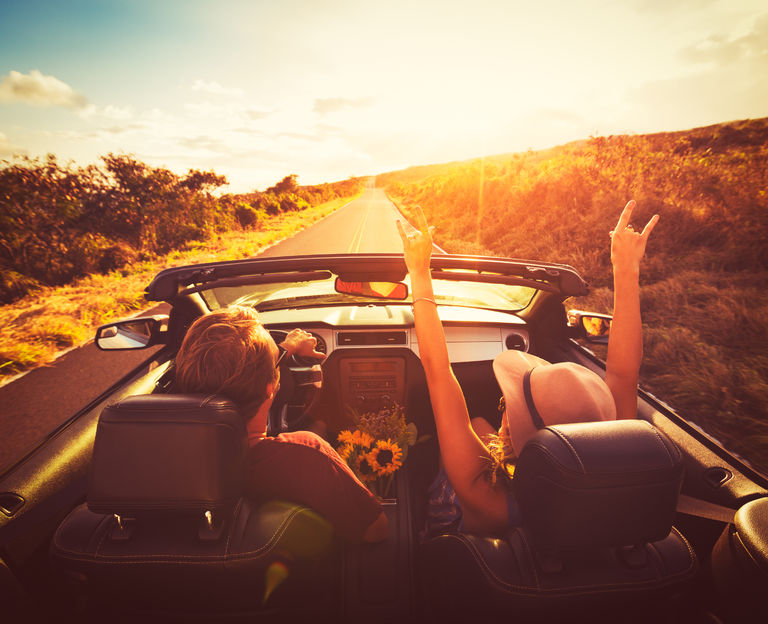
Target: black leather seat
column 597, row 501
column 166, row 530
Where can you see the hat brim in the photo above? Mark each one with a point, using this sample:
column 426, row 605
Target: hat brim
column 563, row 393
column 509, row 368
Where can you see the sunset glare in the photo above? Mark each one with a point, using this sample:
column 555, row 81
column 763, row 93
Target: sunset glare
column 329, row 89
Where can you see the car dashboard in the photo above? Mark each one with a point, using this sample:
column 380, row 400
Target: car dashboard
column 471, row 334
column 373, row 353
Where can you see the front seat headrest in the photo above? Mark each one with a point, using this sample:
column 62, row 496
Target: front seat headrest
column 167, row 453
column 612, row 483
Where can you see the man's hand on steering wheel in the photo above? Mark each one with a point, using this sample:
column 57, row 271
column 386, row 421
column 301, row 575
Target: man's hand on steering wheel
column 302, row 343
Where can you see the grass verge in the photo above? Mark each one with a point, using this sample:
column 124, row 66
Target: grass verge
column 35, row 329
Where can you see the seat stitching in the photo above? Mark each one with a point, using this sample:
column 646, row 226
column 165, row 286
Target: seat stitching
column 579, row 589
column 533, row 560
column 565, row 439
column 235, row 514
column 661, row 441
column 186, row 558
column 485, row 569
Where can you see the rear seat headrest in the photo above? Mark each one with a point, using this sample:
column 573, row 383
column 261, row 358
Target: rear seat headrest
column 611, row 483
column 167, row 453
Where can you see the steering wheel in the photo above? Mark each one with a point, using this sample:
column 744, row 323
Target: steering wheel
column 300, row 383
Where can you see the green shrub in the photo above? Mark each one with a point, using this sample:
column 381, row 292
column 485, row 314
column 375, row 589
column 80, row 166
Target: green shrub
column 247, row 216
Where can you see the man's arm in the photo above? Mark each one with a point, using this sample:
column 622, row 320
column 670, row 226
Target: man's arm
column 378, row 530
column 300, row 342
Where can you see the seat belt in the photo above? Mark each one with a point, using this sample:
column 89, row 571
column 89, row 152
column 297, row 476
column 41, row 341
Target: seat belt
column 704, row 509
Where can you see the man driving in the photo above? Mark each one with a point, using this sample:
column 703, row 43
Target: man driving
column 229, row 352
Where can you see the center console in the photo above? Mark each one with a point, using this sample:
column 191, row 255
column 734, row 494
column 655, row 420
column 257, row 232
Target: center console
column 367, row 383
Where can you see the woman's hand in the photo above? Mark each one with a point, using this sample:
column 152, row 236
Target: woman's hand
column 625, row 343
column 628, row 246
column 300, row 342
column 417, row 244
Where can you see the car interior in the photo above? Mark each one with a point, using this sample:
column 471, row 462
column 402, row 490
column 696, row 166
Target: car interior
column 135, row 507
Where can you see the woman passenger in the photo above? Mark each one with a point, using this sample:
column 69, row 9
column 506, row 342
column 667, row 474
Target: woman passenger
column 536, row 393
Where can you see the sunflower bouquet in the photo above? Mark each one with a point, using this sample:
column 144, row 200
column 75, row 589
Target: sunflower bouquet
column 378, row 446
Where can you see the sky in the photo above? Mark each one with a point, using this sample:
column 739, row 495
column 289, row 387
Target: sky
column 327, row 89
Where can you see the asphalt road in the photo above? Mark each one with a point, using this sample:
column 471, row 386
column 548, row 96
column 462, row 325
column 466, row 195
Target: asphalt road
column 366, row 225
column 36, row 403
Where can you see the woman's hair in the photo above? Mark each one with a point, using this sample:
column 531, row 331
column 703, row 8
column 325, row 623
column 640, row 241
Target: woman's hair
column 501, row 460
column 228, row 352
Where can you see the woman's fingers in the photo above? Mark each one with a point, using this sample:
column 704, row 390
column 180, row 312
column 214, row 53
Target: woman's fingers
column 421, row 220
column 401, row 231
column 649, row 226
column 625, row 216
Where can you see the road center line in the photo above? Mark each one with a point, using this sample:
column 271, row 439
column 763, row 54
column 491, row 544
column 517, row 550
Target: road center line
column 355, row 247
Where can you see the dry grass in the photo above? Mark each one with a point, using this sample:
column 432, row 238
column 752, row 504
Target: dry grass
column 35, row 329
column 705, row 338
column 704, row 292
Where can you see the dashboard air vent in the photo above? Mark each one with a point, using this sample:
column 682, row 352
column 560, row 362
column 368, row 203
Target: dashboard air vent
column 371, row 338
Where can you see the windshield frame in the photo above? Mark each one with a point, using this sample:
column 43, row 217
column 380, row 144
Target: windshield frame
column 558, row 280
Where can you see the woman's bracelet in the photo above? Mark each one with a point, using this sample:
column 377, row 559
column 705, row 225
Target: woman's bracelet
column 432, row 301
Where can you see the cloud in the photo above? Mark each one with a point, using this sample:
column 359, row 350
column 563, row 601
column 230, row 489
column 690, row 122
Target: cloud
column 724, row 81
column 115, row 113
column 323, row 106
column 39, row 90
column 665, row 6
column 200, row 142
column 7, row 149
column 256, row 115
column 117, row 129
column 560, row 116
column 215, row 88
column 725, row 51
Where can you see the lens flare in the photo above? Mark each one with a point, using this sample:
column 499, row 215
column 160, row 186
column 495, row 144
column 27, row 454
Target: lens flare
column 276, row 573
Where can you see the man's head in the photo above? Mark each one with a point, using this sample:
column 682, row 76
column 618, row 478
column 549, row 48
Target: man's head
column 229, row 352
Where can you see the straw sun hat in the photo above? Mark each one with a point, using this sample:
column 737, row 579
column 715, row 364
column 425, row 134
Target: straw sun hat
column 557, row 394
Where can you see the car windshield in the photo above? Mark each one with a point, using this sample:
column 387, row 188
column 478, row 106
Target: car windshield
column 285, row 295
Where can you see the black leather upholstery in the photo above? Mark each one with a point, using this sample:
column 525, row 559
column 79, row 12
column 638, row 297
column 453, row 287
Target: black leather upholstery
column 160, row 462
column 599, row 484
column 597, row 502
column 167, row 452
column 740, row 564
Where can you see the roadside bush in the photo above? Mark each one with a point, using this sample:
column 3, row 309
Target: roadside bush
column 14, row 285
column 292, row 202
column 116, row 256
column 58, row 221
column 247, row 216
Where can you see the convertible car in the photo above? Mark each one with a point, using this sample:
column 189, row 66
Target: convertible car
column 134, row 507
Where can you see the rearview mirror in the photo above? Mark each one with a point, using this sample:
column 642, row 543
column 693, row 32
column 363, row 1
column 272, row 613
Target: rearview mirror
column 377, row 290
column 590, row 326
column 135, row 333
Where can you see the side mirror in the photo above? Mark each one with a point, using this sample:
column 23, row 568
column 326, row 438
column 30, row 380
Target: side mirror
column 135, row 333
column 377, row 290
column 591, row 326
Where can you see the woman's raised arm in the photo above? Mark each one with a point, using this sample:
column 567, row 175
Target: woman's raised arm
column 625, row 344
column 465, row 456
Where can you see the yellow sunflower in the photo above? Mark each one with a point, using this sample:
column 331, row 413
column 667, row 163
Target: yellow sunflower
column 364, row 468
column 345, row 437
column 355, row 438
column 344, row 451
column 386, row 457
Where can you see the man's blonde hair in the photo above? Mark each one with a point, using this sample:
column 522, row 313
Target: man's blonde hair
column 228, row 352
